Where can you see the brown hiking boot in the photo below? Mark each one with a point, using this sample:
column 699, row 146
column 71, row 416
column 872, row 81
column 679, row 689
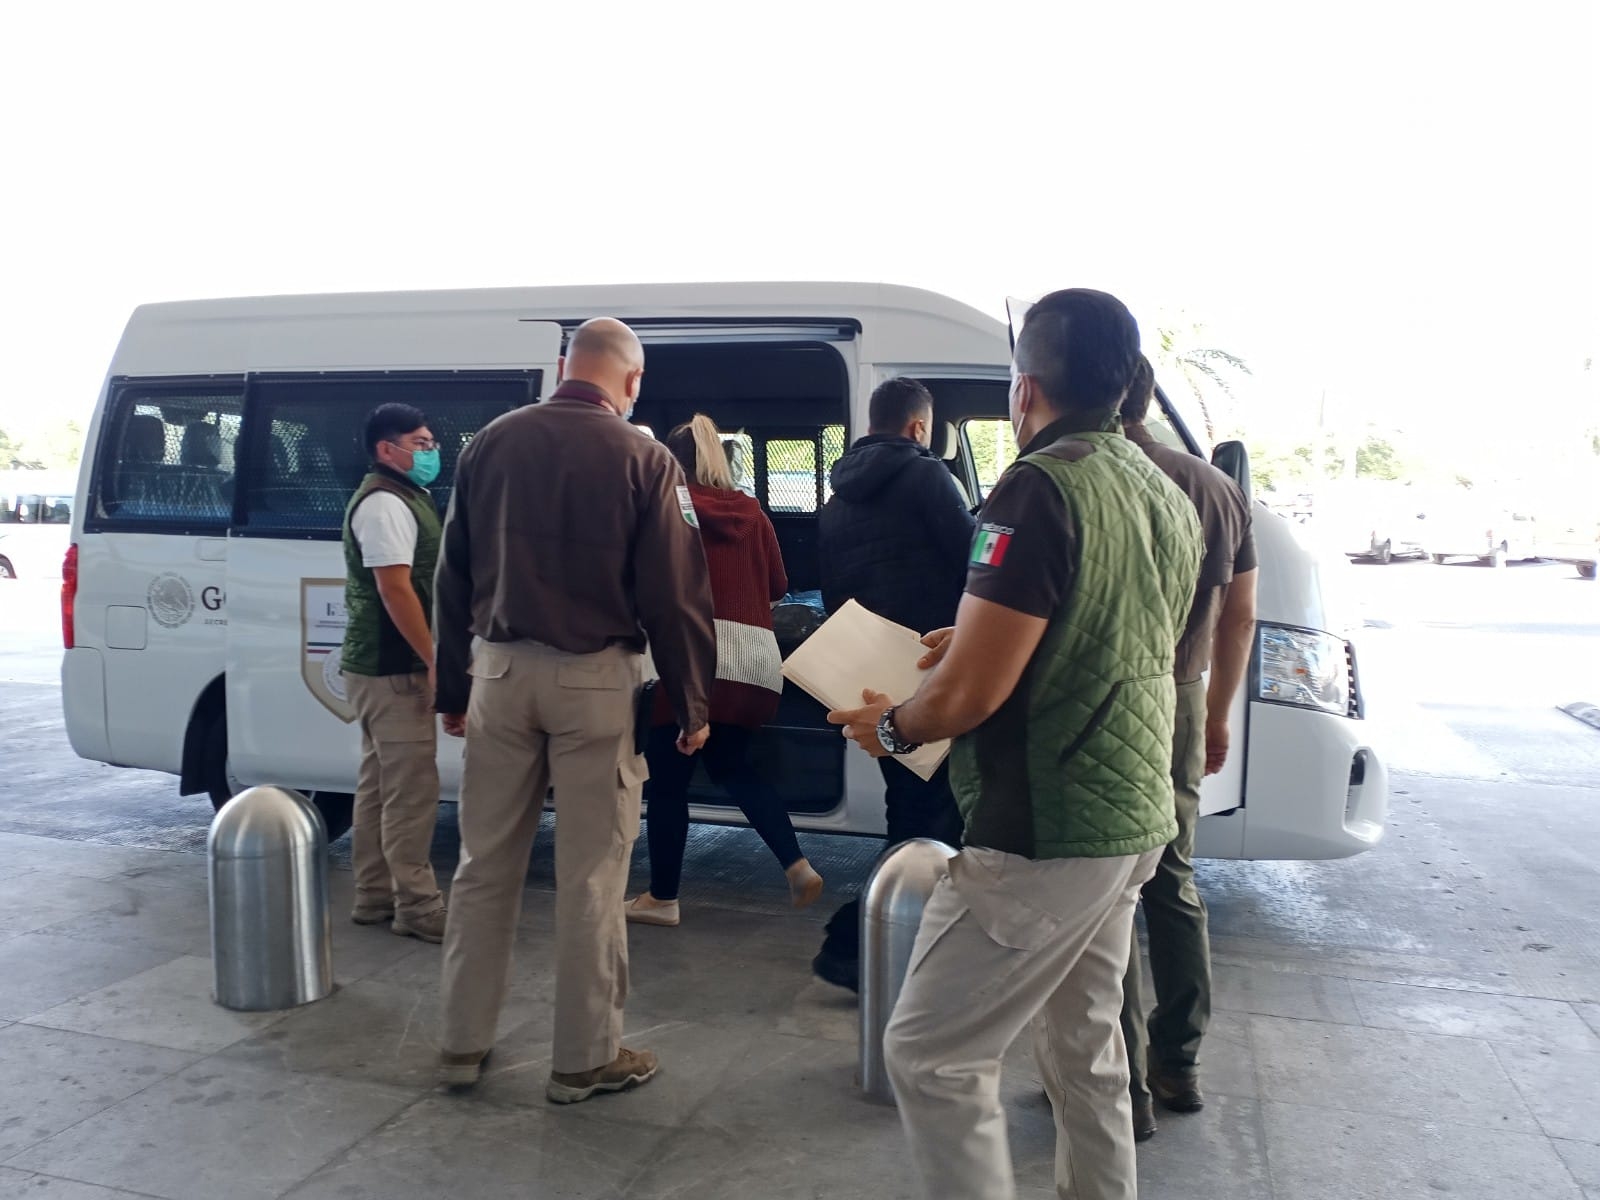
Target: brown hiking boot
column 461, row 1070
column 1179, row 1093
column 428, row 927
column 630, row 1069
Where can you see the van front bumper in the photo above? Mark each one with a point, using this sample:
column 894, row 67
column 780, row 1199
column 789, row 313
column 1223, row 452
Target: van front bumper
column 1315, row 787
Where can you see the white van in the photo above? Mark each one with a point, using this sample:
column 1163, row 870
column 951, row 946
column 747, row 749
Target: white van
column 35, row 522
column 203, row 596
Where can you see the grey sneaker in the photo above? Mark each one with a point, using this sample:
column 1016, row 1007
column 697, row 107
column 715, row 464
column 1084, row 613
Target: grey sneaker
column 428, row 927
column 630, row 1069
column 461, row 1070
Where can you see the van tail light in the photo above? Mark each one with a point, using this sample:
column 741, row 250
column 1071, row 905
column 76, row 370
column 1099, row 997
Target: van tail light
column 69, row 595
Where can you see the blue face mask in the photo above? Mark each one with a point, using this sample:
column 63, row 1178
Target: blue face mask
column 424, row 467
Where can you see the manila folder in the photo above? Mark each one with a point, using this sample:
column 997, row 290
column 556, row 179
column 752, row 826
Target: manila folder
column 856, row 649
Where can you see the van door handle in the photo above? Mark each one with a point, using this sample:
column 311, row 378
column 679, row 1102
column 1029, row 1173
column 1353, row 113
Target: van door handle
column 212, row 549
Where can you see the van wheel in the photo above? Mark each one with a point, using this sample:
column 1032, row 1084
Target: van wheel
column 337, row 808
column 1386, row 554
column 7, row 571
column 1586, row 570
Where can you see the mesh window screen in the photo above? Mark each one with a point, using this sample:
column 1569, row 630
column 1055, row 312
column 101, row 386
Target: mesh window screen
column 792, row 475
column 798, row 469
column 171, row 458
column 308, row 457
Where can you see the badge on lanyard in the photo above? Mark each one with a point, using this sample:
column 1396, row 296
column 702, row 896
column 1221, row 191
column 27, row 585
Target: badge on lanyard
column 686, row 506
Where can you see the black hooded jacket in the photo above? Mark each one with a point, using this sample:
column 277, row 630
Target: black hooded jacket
column 896, row 534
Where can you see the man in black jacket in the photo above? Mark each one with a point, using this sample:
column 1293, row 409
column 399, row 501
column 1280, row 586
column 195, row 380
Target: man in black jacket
column 895, row 539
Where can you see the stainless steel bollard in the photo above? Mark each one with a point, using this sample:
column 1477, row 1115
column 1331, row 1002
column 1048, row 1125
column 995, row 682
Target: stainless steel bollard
column 891, row 911
column 271, row 942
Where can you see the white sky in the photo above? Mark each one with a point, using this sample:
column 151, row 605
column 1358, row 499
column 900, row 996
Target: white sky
column 1393, row 201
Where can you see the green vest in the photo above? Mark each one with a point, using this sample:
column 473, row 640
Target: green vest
column 1078, row 762
column 373, row 644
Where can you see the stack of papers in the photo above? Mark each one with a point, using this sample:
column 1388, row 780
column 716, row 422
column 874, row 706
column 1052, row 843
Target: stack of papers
column 854, row 650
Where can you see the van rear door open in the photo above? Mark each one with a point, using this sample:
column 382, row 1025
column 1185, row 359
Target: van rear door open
column 301, row 457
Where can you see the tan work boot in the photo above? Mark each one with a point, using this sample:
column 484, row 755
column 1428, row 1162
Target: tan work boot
column 630, row 1069
column 375, row 913
column 461, row 1070
column 428, row 927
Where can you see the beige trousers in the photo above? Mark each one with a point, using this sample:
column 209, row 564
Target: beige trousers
column 539, row 718
column 397, row 793
column 1003, row 939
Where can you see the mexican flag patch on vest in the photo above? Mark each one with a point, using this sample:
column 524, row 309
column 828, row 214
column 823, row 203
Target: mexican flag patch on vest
column 989, row 547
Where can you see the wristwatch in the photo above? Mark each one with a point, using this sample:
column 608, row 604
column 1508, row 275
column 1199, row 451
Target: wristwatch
column 890, row 738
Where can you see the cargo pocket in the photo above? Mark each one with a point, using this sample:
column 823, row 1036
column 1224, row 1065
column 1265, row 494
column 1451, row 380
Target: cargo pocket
column 933, row 928
column 990, row 885
column 632, row 772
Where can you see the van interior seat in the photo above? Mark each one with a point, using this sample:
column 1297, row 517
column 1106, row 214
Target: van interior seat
column 136, row 491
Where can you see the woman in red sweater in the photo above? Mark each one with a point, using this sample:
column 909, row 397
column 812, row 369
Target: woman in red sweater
column 747, row 579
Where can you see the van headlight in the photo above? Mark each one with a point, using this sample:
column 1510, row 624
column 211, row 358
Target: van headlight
column 1303, row 667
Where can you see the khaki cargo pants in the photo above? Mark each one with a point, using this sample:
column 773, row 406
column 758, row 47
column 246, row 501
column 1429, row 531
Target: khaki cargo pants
column 1004, row 939
column 539, row 718
column 397, row 793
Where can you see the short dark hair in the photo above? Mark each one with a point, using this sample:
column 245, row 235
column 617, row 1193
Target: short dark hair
column 1080, row 346
column 1141, row 390
column 389, row 421
column 896, row 403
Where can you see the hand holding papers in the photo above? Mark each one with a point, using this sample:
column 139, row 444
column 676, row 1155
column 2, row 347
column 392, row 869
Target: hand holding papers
column 855, row 650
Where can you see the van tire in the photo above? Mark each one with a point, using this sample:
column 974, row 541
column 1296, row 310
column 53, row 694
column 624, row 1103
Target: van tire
column 7, row 571
column 1586, row 570
column 337, row 808
column 1386, row 554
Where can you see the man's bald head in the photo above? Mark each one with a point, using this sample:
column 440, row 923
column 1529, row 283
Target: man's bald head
column 606, row 353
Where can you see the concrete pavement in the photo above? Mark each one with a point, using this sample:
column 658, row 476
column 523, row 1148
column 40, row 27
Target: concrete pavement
column 1416, row 1022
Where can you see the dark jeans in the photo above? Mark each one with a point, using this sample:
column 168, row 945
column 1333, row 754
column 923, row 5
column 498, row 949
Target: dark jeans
column 727, row 760
column 915, row 808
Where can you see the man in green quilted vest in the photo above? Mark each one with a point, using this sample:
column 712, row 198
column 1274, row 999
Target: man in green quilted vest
column 1057, row 685
column 391, row 545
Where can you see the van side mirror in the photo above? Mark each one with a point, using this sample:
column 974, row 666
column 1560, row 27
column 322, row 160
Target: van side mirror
column 1233, row 460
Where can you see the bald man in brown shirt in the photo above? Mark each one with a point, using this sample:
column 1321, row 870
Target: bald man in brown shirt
column 570, row 539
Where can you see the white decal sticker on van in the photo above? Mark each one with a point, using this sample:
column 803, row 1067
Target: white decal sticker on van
column 322, row 623
column 170, row 599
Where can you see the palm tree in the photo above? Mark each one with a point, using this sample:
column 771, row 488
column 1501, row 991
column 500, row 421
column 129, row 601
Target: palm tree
column 1205, row 369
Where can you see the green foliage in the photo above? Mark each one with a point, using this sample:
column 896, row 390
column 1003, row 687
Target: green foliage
column 57, row 449
column 1376, row 458
column 1208, row 372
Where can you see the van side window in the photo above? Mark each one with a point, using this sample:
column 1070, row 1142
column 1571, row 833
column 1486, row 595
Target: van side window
column 797, row 469
column 305, row 457
column 991, row 447
column 168, row 458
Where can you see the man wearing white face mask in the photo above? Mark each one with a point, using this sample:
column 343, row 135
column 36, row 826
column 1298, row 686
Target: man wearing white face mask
column 1056, row 684
column 391, row 543
column 571, row 538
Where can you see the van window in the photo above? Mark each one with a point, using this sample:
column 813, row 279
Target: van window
column 168, row 458
column 991, row 448
column 305, row 457
column 798, row 470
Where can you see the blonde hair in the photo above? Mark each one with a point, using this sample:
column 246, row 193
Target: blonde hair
column 698, row 448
